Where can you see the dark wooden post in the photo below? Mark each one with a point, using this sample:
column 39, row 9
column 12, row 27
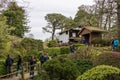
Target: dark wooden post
column 27, row 66
column 23, row 73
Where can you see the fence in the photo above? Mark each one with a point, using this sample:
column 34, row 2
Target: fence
column 25, row 69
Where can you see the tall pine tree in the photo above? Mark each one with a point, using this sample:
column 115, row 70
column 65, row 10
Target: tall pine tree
column 16, row 18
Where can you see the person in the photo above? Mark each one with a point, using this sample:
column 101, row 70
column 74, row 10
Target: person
column 32, row 65
column 42, row 59
column 85, row 41
column 46, row 57
column 8, row 64
column 72, row 48
column 115, row 43
column 19, row 64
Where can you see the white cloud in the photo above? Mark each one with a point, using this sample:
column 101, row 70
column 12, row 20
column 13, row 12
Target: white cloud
column 39, row 8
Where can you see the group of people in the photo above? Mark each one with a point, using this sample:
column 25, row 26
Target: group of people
column 19, row 67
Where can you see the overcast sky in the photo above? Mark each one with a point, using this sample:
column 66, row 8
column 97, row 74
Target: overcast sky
column 37, row 10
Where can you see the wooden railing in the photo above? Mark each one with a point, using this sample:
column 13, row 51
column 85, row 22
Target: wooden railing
column 25, row 69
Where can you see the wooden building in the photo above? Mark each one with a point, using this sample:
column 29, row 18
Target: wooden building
column 70, row 35
column 90, row 33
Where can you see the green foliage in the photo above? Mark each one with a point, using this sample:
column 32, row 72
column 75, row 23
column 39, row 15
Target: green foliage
column 54, row 22
column 118, row 48
column 57, row 21
column 61, row 69
column 85, row 52
column 78, row 45
column 101, row 73
column 64, row 50
column 32, row 44
column 16, row 18
column 2, row 68
column 101, row 42
column 108, row 58
column 85, row 18
column 52, row 43
column 57, row 50
column 83, row 65
column 52, row 51
column 34, row 53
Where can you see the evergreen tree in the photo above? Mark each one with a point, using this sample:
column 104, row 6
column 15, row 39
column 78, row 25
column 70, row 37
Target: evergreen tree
column 16, row 18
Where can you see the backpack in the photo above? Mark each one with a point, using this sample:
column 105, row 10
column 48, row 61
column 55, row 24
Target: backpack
column 116, row 43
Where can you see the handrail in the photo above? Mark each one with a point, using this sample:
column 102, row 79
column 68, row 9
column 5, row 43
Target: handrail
column 23, row 70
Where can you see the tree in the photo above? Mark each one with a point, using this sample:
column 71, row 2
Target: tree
column 16, row 18
column 55, row 21
column 118, row 18
column 85, row 16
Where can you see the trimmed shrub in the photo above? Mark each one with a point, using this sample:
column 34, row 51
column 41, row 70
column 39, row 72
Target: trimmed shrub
column 101, row 72
column 52, row 51
column 112, row 59
column 61, row 69
column 78, row 45
column 83, row 65
column 65, row 50
column 52, row 43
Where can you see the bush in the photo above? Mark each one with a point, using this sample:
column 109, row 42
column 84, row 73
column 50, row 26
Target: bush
column 102, row 42
column 64, row 50
column 2, row 68
column 78, row 45
column 101, row 73
column 34, row 53
column 53, row 51
column 85, row 52
column 118, row 48
column 112, row 59
column 83, row 65
column 61, row 69
column 52, row 43
column 32, row 44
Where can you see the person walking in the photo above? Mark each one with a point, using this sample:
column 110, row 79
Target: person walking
column 19, row 65
column 8, row 64
column 32, row 65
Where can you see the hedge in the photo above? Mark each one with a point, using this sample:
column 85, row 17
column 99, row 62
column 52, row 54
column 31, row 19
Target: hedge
column 52, row 51
column 108, row 58
column 101, row 72
column 57, row 50
column 61, row 69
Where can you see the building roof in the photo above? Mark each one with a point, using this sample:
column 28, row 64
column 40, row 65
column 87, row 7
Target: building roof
column 69, row 29
column 92, row 29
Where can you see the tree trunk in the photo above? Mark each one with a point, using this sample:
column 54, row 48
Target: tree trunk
column 118, row 18
column 53, row 33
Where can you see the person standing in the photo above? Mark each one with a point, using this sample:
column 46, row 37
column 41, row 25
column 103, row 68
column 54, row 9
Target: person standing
column 72, row 48
column 32, row 65
column 19, row 64
column 42, row 59
column 46, row 57
column 115, row 43
column 8, row 63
